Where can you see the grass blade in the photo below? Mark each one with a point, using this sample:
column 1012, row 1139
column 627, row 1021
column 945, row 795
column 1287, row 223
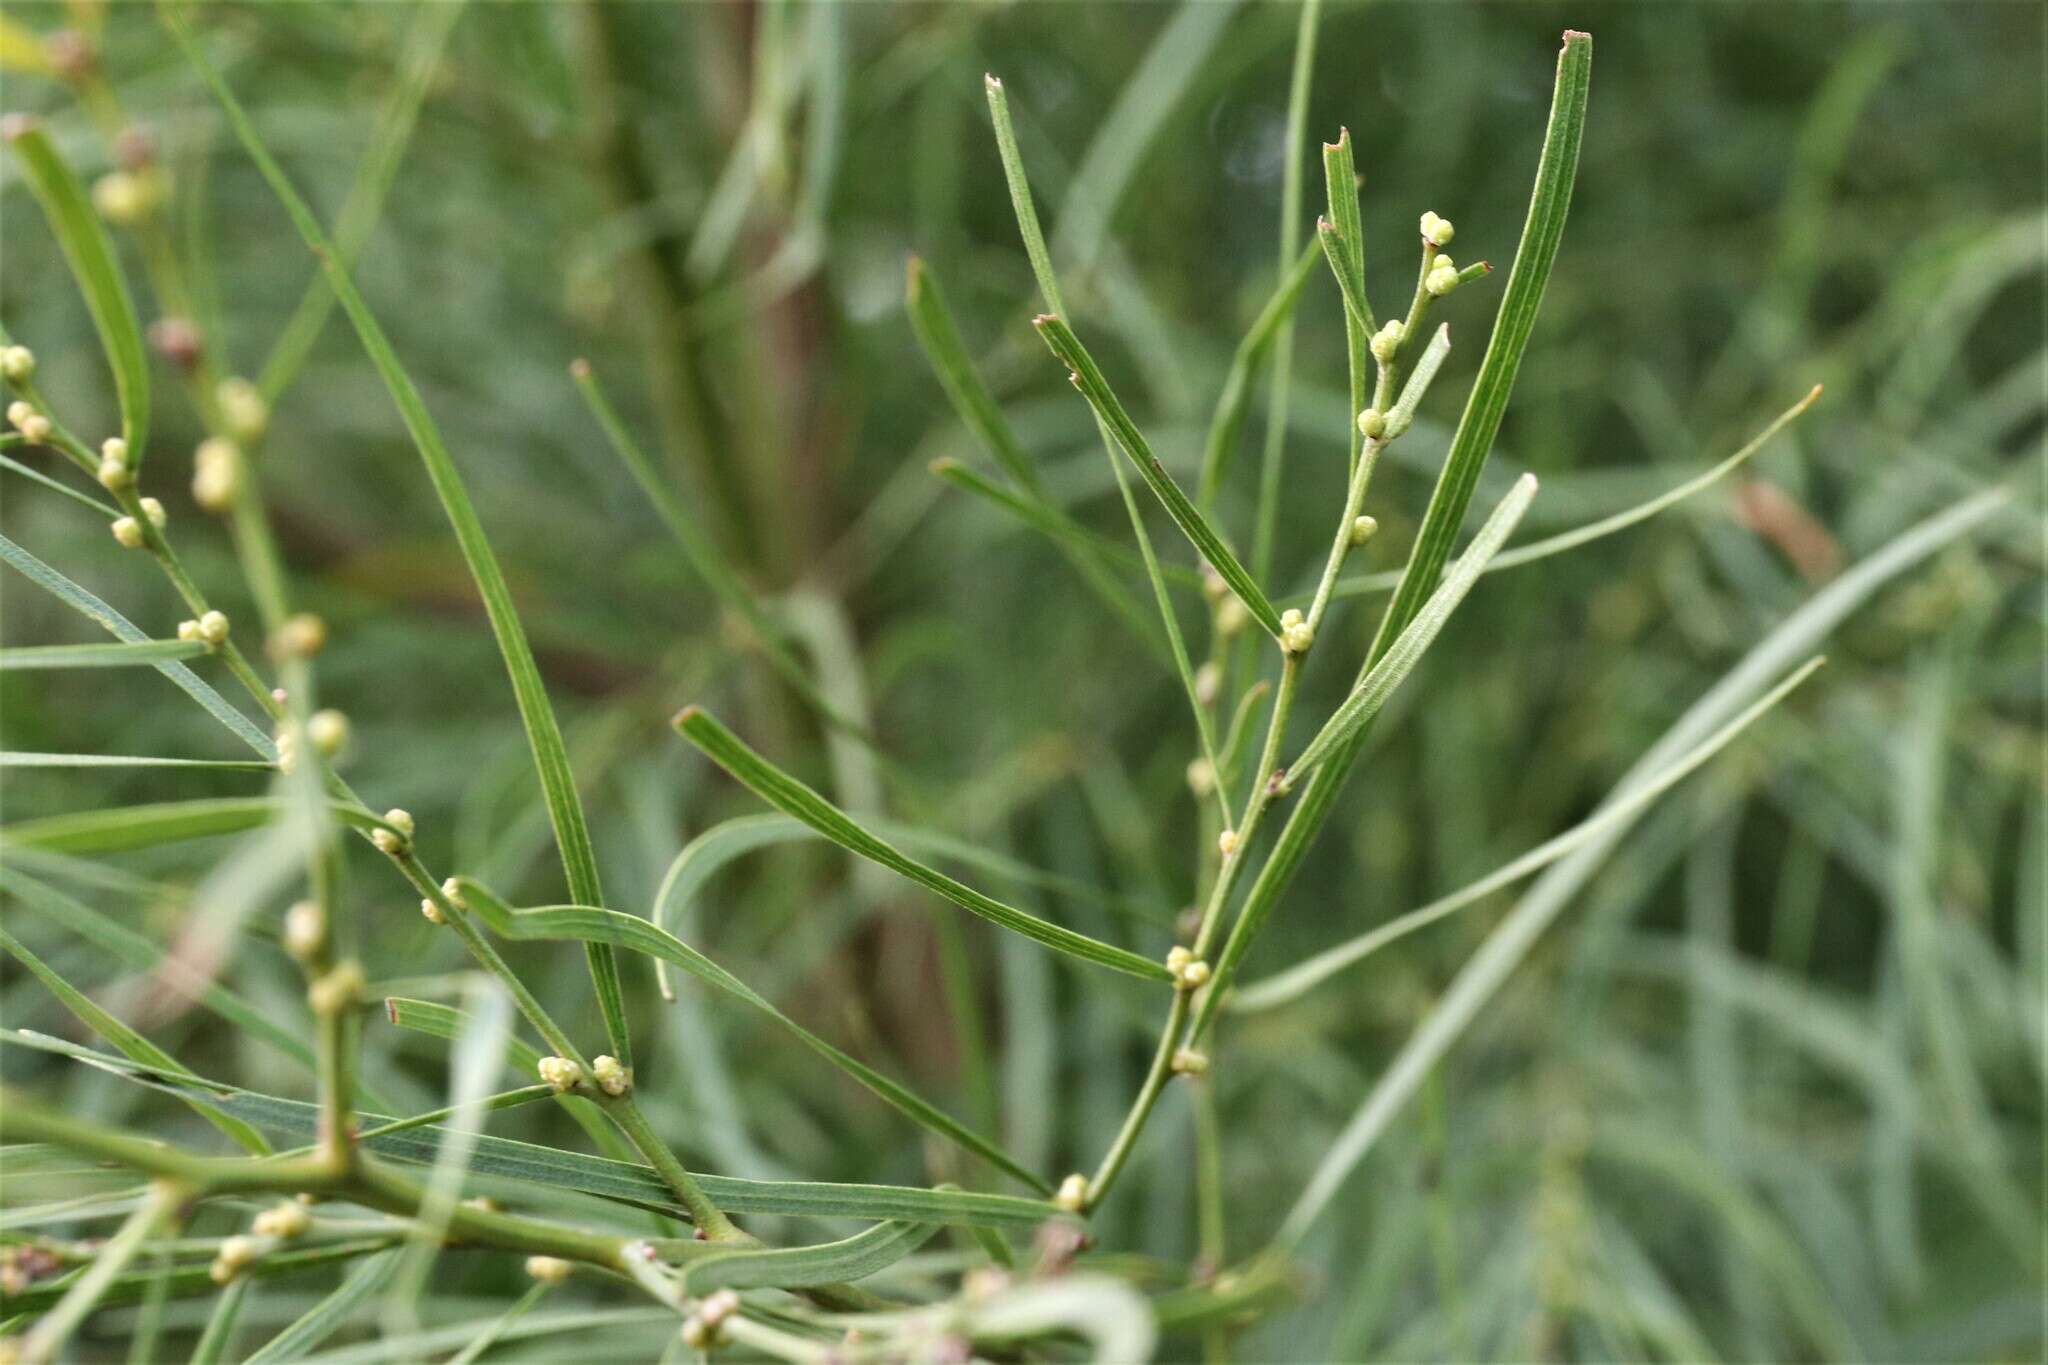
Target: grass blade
column 107, row 510
column 91, row 257
column 98, row 656
column 932, row 323
column 119, row 828
column 1512, row 939
column 1620, row 810
column 544, row 736
column 799, row 802
column 14, row 758
column 488, row 1337
column 331, row 1314
column 1609, row 525
column 589, row 924
column 130, row 1043
column 1395, row 665
column 702, row 552
column 47, row 1337
column 1060, row 339
column 85, row 603
column 853, row 1258
column 220, row 1325
column 1342, row 234
column 445, row 1021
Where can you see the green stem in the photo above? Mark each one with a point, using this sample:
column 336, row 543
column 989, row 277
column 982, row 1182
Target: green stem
column 709, row 1218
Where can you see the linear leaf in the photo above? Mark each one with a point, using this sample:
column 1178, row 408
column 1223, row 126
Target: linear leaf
column 1510, row 942
column 497, row 1327
column 1233, row 401
column 331, row 1314
column 1608, row 525
column 445, row 1021
column 702, row 551
column 84, row 602
column 626, row 1181
column 932, row 322
column 798, row 801
column 148, row 652
column 852, row 1258
column 1344, row 243
column 587, row 924
column 119, row 828
column 1366, row 699
column 13, row 758
column 107, row 510
column 1067, row 347
column 1470, row 445
column 543, row 735
column 1620, row 810
column 91, row 256
column 130, row 1043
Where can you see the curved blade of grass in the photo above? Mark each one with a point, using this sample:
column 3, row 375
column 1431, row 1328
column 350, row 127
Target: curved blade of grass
column 91, row 257
column 710, row 852
column 1470, row 444
column 932, row 323
column 106, row 510
column 364, row 1280
column 1081, row 547
column 702, row 552
column 589, row 924
column 1060, row 339
column 445, row 1021
column 84, row 602
column 419, row 63
column 544, row 736
column 1233, row 401
column 1511, row 940
column 1398, row 662
column 130, row 1043
column 852, row 1258
column 1609, row 525
column 798, row 801
column 1619, row 811
column 147, row 652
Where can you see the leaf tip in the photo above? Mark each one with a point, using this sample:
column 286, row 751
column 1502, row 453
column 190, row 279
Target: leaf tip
column 991, row 81
column 687, row 716
column 14, row 127
column 943, row 465
column 579, row 368
column 391, row 1008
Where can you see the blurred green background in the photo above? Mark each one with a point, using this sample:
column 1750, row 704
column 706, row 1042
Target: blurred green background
column 1771, row 1090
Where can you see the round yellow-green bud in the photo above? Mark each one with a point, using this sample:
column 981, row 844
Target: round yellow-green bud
column 19, row 411
column 234, row 1255
column 124, row 197
column 1231, row 616
column 154, row 510
column 1372, row 424
column 282, row 1221
column 36, row 428
column 610, row 1075
column 1208, row 682
column 216, row 473
column 560, row 1073
column 213, row 628
column 1386, row 342
column 337, row 991
column 1195, row 974
column 1226, row 842
column 1296, row 635
column 328, row 730
column 299, row 637
column 1073, row 1193
column 242, row 408
column 432, row 913
column 115, row 475
column 189, row 630
column 1441, row 281
column 548, row 1269
column 128, row 533
column 1363, row 529
column 17, row 362
column 305, row 929
column 1437, row 231
column 1201, row 778
column 1188, row 1062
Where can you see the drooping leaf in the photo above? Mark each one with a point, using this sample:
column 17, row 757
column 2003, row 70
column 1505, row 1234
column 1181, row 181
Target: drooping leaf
column 800, row 802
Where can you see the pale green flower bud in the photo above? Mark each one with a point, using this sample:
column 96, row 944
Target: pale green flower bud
column 1372, row 424
column 1437, row 231
column 17, row 362
column 128, row 532
column 1363, row 529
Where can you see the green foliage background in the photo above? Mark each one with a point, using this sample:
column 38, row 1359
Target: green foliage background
column 1738, row 1103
